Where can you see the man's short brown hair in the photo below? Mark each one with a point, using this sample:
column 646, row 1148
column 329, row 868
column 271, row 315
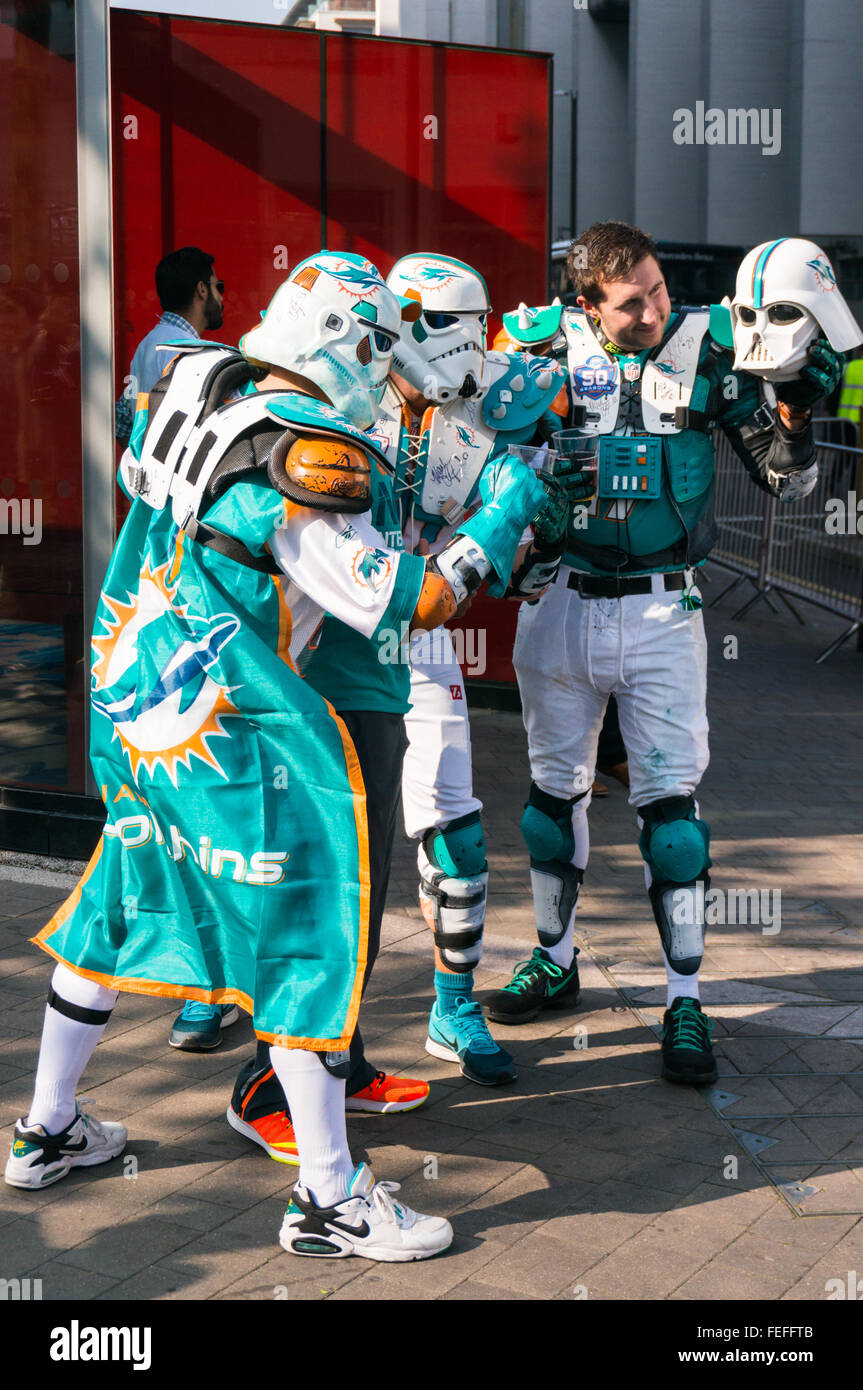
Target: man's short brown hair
column 606, row 251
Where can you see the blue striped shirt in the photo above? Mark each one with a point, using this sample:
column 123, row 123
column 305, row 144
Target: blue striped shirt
column 148, row 364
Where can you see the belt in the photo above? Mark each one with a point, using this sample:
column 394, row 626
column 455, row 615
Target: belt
column 593, row 586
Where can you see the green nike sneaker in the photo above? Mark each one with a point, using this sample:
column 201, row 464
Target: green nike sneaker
column 536, row 984
column 687, row 1052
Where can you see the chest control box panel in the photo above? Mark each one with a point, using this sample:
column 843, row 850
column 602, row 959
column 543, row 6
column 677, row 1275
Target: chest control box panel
column 630, row 467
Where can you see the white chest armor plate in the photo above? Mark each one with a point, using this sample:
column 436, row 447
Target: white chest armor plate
column 458, row 445
column 667, row 377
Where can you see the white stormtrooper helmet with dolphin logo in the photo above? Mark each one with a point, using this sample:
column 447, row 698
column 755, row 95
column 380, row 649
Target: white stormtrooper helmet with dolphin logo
column 442, row 353
column 334, row 322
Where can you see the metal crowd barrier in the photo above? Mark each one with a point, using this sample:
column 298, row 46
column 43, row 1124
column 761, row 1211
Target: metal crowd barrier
column 785, row 549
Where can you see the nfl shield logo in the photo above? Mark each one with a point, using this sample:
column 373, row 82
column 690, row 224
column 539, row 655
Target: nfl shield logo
column 632, row 370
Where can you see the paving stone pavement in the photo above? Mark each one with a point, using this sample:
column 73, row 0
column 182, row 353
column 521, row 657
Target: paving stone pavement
column 589, row 1177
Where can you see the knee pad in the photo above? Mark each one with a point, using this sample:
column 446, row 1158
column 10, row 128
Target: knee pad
column 453, row 889
column 675, row 845
column 546, row 828
column 459, row 848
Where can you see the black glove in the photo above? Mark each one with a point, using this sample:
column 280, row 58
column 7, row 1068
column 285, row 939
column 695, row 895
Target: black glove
column 820, row 376
column 566, row 485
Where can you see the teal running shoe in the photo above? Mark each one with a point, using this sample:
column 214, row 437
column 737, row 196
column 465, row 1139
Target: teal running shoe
column 199, row 1027
column 463, row 1037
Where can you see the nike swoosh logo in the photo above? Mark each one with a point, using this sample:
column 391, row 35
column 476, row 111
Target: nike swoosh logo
column 73, row 1148
column 555, row 989
column 360, row 1232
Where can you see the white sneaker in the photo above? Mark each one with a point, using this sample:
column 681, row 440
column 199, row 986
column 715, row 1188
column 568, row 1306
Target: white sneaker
column 368, row 1222
column 38, row 1159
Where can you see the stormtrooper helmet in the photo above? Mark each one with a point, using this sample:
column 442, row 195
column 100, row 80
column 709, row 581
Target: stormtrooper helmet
column 786, row 296
column 442, row 353
column 334, row 322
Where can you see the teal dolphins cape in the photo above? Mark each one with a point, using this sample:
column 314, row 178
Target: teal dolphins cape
column 233, row 866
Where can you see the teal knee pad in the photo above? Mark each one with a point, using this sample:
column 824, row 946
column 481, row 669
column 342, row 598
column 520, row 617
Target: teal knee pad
column 453, row 882
column 674, row 843
column 546, row 826
column 459, row 848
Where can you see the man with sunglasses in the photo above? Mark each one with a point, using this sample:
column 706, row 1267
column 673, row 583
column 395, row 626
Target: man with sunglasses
column 191, row 298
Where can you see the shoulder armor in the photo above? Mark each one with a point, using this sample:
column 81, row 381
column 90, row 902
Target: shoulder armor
column 720, row 325
column 574, row 317
column 307, row 416
column 179, row 404
column 521, row 389
column 187, row 345
column 530, row 326
column 329, row 474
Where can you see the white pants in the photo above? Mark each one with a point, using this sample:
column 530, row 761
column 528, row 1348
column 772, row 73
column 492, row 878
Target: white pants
column 437, row 782
column 571, row 653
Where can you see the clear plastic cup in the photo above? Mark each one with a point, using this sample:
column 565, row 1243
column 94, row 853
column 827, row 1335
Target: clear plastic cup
column 536, row 456
column 583, row 449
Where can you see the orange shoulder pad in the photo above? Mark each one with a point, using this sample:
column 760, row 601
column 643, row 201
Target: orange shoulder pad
column 560, row 404
column 329, row 466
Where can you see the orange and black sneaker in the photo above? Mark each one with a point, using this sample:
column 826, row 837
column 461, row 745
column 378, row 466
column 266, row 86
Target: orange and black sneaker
column 385, row 1094
column 273, row 1132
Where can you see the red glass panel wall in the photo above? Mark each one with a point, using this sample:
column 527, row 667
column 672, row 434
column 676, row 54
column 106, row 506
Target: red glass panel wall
column 440, row 149
column 41, row 637
column 216, row 131
column 444, row 149
column 262, row 145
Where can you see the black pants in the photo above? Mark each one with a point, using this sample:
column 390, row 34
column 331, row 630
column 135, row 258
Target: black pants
column 380, row 742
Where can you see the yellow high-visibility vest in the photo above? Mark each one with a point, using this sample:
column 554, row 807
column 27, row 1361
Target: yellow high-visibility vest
column 851, row 392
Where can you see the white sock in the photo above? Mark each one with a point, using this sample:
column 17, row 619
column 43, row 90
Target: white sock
column 67, row 1047
column 562, row 952
column 679, row 986
column 316, row 1101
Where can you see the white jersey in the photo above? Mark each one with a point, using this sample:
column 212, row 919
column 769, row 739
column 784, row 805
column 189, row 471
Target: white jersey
column 339, row 565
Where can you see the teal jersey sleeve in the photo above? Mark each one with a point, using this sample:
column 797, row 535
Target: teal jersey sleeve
column 251, row 510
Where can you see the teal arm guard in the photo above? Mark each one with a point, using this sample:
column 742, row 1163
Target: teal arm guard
column 511, row 497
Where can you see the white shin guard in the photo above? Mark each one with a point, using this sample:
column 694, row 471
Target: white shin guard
column 454, row 908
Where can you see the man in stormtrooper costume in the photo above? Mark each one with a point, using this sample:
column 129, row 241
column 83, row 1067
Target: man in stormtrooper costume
column 648, row 385
column 448, row 414
column 246, row 519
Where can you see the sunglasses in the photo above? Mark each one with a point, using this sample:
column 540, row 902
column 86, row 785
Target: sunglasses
column 220, row 286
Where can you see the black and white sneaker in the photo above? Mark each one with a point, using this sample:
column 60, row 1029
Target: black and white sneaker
column 536, row 984
column 368, row 1222
column 38, row 1159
